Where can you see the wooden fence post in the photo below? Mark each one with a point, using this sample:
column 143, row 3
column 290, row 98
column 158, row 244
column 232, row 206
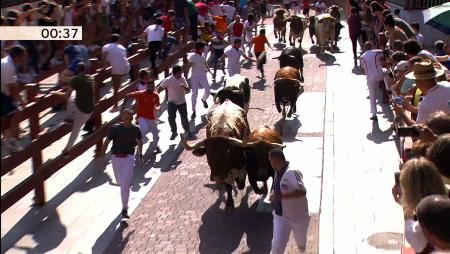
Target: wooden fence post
column 35, row 129
column 98, row 118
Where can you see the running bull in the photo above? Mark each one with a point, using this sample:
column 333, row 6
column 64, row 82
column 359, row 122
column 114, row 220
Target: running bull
column 298, row 24
column 237, row 90
column 324, row 27
column 279, row 25
column 292, row 57
column 226, row 128
column 287, row 88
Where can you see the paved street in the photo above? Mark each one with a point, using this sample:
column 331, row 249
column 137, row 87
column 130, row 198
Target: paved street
column 347, row 162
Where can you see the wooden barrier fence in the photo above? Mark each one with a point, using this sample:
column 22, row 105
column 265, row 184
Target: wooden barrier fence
column 43, row 139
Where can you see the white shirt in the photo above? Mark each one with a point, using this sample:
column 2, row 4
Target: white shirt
column 228, row 10
column 414, row 235
column 291, row 181
column 249, row 34
column 320, row 8
column 198, row 64
column 116, row 55
column 154, row 33
column 234, row 60
column 436, row 99
column 175, row 89
column 371, row 62
column 9, row 75
column 215, row 10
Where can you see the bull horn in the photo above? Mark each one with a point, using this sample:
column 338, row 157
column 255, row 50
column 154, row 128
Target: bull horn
column 237, row 142
column 191, row 147
column 276, row 145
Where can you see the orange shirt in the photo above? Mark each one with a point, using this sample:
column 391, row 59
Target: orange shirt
column 221, row 24
column 259, row 42
column 146, row 103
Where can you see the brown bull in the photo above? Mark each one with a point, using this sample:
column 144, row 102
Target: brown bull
column 298, row 24
column 257, row 149
column 279, row 25
column 226, row 128
column 287, row 88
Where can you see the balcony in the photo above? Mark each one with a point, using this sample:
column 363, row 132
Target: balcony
column 417, row 4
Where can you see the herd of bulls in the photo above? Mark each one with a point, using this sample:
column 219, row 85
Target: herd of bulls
column 325, row 27
column 232, row 151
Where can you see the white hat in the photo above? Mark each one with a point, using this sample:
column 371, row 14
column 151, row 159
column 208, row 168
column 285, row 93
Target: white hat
column 401, row 66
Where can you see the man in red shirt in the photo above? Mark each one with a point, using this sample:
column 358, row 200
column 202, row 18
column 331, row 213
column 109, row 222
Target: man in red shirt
column 235, row 29
column 147, row 104
column 202, row 8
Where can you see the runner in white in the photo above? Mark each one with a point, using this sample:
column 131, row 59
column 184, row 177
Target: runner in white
column 234, row 53
column 198, row 76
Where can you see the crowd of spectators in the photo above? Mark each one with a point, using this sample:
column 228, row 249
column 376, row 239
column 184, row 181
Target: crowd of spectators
column 415, row 81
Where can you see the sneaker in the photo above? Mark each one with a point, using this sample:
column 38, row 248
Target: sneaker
column 194, row 115
column 124, row 213
column 374, row 118
column 157, row 150
column 173, row 136
column 205, row 104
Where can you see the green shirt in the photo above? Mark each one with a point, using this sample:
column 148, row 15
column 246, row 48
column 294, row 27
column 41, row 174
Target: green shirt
column 192, row 10
column 84, row 88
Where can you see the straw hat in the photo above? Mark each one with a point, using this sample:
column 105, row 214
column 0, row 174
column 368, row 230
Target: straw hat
column 425, row 70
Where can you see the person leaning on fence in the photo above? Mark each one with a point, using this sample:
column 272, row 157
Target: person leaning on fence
column 435, row 94
column 115, row 55
column 433, row 216
column 147, row 105
column 10, row 96
column 289, row 202
column 79, row 110
column 371, row 62
column 125, row 137
column 177, row 88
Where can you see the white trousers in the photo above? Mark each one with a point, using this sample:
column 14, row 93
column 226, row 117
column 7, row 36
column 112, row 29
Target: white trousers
column 373, row 85
column 198, row 82
column 148, row 125
column 123, row 171
column 79, row 119
column 282, row 227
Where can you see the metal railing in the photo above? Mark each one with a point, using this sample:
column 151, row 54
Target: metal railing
column 417, row 4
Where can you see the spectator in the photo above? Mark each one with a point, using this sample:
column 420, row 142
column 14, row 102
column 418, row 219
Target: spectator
column 144, row 79
column 155, row 37
column 435, row 94
column 74, row 53
column 197, row 61
column 419, row 37
column 168, row 21
column 371, row 64
column 214, row 8
column 125, row 137
column 115, row 54
column 234, row 53
column 319, row 7
column 397, row 13
column 441, row 50
column 68, row 12
column 177, row 87
column 419, row 178
column 260, row 41
column 79, row 110
column 377, row 18
column 437, row 124
column 438, row 153
column 433, row 216
column 289, row 202
column 354, row 29
column 221, row 24
column 393, row 32
column 10, row 95
column 412, row 48
column 147, row 105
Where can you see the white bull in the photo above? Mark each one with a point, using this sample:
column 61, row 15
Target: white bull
column 325, row 31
